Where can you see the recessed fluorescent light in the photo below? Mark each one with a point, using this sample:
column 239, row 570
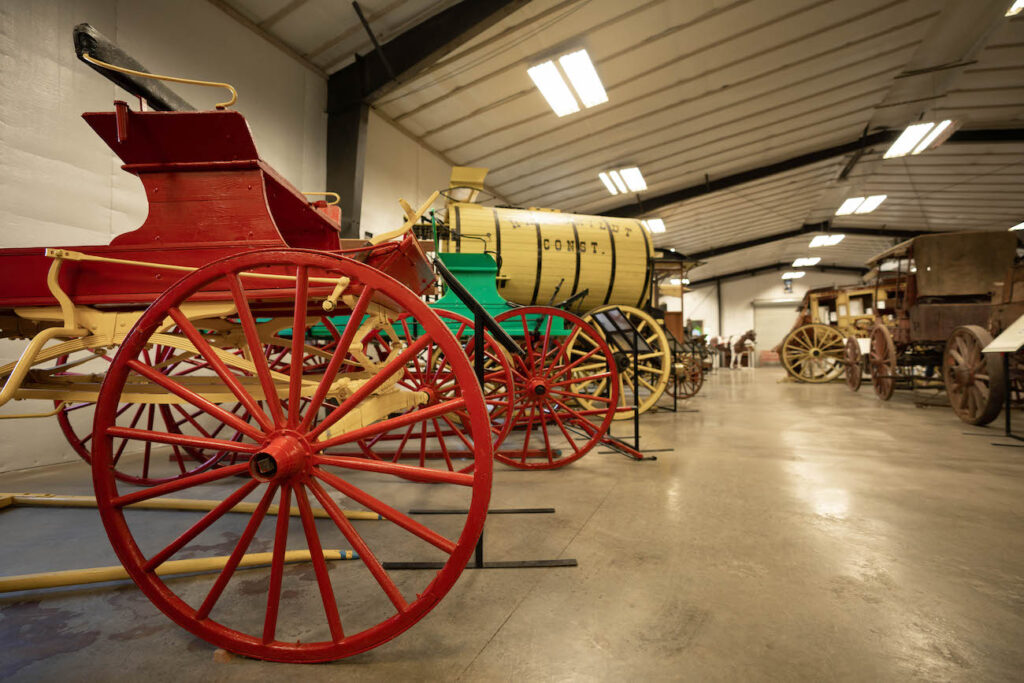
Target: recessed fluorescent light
column 908, row 140
column 849, row 206
column 918, row 137
column 654, row 224
column 1019, row 226
column 826, row 240
column 617, row 179
column 871, row 203
column 1016, row 8
column 609, row 185
column 634, row 179
column 552, row 86
column 805, row 262
column 584, row 78
column 793, row 275
column 932, row 135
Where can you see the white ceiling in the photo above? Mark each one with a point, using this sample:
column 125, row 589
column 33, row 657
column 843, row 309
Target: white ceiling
column 704, row 89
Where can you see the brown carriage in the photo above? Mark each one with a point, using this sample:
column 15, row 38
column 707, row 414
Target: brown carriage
column 957, row 291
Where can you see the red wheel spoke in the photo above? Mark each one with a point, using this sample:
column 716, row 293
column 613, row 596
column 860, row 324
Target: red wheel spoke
column 182, row 439
column 316, row 552
column 298, row 343
column 252, row 338
column 576, row 362
column 389, row 513
column 195, row 399
column 191, row 420
column 529, row 428
column 236, row 555
column 200, row 526
column 420, row 474
column 582, row 380
column 220, row 368
column 277, row 564
column 359, row 545
column 585, row 397
column 458, row 432
column 371, row 385
column 394, row 423
column 444, row 446
column 354, row 321
column 565, row 432
column 135, row 421
column 179, row 484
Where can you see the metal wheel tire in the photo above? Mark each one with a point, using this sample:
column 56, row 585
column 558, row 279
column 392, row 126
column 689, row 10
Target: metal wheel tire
column 882, row 362
column 975, row 381
column 654, row 368
column 289, row 455
column 814, row 353
column 854, row 364
column 551, row 380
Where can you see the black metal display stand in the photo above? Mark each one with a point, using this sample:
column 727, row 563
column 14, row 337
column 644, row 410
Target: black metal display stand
column 482, row 320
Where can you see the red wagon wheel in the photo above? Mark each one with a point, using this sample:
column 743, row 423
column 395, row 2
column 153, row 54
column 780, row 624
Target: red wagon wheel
column 146, row 467
column 287, row 459
column 556, row 371
column 882, row 362
column 975, row 381
column 854, row 364
column 442, row 439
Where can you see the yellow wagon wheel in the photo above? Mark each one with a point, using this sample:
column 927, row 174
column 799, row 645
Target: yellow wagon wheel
column 814, row 353
column 653, row 362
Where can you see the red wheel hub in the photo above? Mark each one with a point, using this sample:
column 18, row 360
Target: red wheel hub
column 537, row 388
column 282, row 456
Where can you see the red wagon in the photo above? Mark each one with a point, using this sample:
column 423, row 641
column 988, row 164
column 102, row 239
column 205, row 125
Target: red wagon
column 179, row 361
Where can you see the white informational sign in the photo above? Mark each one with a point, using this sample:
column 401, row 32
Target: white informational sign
column 1010, row 340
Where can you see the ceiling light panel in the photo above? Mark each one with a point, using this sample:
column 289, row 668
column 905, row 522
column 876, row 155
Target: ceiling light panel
column 871, row 203
column 608, row 184
column 806, row 262
column 552, row 86
column 1016, row 8
column 617, row 179
column 793, row 275
column 932, row 135
column 584, row 78
column 634, row 179
column 849, row 206
column 826, row 240
column 655, row 225
column 908, row 140
column 1019, row 226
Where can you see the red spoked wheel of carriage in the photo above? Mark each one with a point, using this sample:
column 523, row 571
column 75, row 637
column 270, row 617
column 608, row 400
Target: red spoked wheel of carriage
column 444, row 439
column 566, row 361
column 305, row 611
column 143, row 466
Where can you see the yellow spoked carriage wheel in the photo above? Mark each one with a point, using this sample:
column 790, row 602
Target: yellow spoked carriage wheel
column 653, row 362
column 814, row 353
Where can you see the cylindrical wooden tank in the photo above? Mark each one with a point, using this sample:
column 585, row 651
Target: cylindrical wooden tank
column 536, row 249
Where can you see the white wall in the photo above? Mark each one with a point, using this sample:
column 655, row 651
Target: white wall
column 738, row 296
column 61, row 185
column 396, row 167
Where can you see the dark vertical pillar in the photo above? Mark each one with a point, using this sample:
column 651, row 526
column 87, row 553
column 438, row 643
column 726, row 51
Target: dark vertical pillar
column 348, row 117
column 346, row 159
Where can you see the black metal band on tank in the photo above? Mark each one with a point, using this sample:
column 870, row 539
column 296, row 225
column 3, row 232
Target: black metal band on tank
column 497, row 244
column 458, row 230
column 576, row 278
column 540, row 262
column 611, row 280
column 647, row 271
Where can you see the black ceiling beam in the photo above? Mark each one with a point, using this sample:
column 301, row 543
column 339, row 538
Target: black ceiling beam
column 416, row 49
column 804, row 229
column 351, row 90
column 750, row 272
column 649, row 204
column 988, row 135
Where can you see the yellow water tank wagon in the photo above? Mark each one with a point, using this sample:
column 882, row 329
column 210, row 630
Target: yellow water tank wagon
column 539, row 249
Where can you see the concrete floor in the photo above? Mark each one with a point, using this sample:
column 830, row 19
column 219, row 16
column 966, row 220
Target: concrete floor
column 796, row 532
